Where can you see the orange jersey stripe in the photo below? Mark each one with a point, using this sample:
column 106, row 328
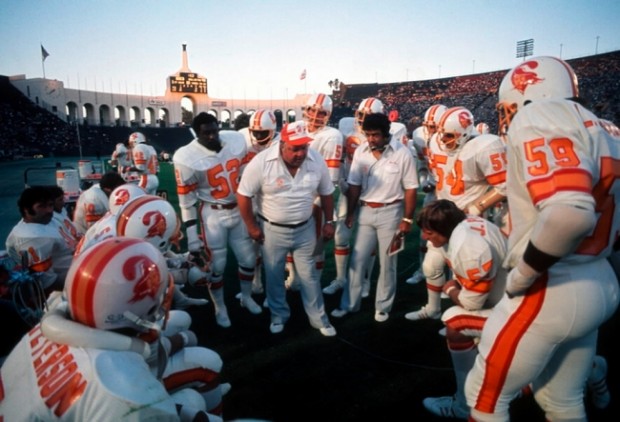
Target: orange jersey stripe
column 572, row 179
column 333, row 164
column 91, row 218
column 182, row 378
column 41, row 267
column 479, row 286
column 185, row 189
column 497, row 178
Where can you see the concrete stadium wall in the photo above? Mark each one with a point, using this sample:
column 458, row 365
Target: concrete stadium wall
column 98, row 108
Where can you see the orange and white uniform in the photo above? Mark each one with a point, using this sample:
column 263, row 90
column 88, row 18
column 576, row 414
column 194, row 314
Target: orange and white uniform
column 92, row 204
column 467, row 173
column 64, row 383
column 209, row 181
column 146, row 161
column 560, row 158
column 46, row 248
column 66, row 228
column 328, row 142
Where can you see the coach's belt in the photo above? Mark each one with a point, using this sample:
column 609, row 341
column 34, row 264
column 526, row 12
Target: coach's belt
column 288, row 226
column 379, row 204
column 223, row 206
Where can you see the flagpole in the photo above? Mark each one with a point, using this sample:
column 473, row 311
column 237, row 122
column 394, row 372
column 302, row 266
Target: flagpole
column 43, row 60
column 44, row 55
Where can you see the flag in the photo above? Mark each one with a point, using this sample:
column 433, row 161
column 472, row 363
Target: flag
column 44, row 52
column 303, row 75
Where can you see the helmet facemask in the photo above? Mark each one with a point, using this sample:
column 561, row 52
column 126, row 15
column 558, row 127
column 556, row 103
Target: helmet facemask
column 449, row 141
column 261, row 138
column 316, row 118
column 455, row 128
column 506, row 113
column 262, row 128
column 429, row 128
column 368, row 106
column 317, row 111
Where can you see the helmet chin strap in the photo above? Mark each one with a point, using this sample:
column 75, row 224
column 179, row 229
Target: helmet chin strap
column 140, row 322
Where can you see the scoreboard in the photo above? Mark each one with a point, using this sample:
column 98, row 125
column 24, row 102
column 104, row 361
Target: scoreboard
column 190, row 83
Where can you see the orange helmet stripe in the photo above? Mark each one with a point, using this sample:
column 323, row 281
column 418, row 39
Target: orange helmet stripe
column 447, row 114
column 91, row 268
column 319, row 100
column 256, row 119
column 131, row 207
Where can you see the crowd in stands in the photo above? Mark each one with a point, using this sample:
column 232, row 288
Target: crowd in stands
column 599, row 78
column 27, row 130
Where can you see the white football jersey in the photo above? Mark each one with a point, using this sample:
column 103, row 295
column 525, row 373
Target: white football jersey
column 328, row 142
column 91, row 206
column 47, row 381
column 103, row 229
column 45, row 248
column 145, row 159
column 209, row 176
column 475, row 254
column 560, row 152
column 467, row 173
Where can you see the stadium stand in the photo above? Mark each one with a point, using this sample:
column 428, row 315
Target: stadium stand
column 599, row 78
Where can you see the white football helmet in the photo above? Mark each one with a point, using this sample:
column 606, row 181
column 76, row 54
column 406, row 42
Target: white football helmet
column 317, row 111
column 136, row 138
column 117, row 282
column 262, row 127
column 482, row 128
column 368, row 106
column 150, row 218
column 535, row 79
column 351, row 143
column 123, row 194
column 455, row 128
column 431, row 119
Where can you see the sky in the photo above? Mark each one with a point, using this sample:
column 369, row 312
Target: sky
column 257, row 49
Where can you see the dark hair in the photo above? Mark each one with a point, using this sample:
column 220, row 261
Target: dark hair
column 377, row 121
column 111, row 180
column 31, row 196
column 56, row 191
column 241, row 121
column 203, row 119
column 440, row 216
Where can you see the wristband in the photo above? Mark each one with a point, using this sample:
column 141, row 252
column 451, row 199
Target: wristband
column 449, row 290
column 537, row 259
column 331, row 222
column 408, row 220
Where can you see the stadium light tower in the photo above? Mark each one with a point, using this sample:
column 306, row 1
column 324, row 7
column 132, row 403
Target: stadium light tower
column 525, row 48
